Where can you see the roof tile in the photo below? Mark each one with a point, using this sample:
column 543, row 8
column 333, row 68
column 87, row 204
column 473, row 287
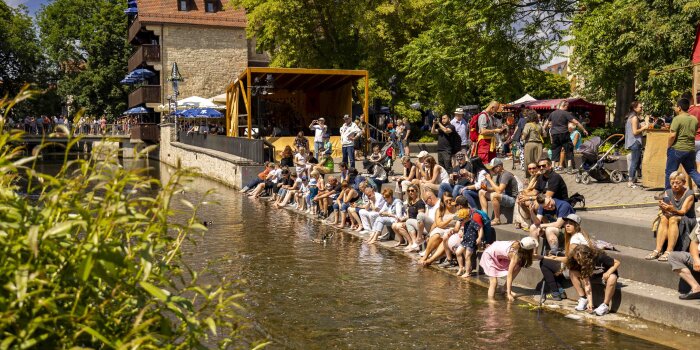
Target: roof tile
column 166, row 11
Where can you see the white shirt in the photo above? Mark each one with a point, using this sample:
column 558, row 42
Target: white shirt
column 301, row 161
column 276, row 175
column 319, row 130
column 345, row 131
column 395, row 207
column 444, row 177
column 432, row 210
column 578, row 239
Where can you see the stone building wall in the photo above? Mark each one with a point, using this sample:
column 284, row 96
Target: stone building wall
column 209, row 58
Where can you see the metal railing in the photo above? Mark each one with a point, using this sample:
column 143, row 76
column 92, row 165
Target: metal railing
column 98, row 130
column 251, row 149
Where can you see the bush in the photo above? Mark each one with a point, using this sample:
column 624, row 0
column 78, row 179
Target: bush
column 91, row 260
column 426, row 137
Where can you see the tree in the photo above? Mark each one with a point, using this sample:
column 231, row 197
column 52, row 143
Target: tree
column 618, row 44
column 20, row 55
column 542, row 85
column 86, row 44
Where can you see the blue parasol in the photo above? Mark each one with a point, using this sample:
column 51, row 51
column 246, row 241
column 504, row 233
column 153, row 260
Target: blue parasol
column 137, row 110
column 202, row 113
column 131, row 11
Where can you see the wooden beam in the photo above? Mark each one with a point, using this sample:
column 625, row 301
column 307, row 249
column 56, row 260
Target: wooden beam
column 325, row 79
column 236, row 98
column 342, row 81
column 365, row 107
column 357, row 73
column 308, row 79
column 289, row 82
column 249, row 92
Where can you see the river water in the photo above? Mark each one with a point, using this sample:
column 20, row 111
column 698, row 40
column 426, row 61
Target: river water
column 306, row 295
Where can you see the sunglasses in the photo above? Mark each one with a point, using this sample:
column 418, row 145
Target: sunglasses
column 542, row 166
column 409, row 191
column 532, row 168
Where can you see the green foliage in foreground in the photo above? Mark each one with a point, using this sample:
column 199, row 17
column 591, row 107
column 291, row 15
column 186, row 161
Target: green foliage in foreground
column 93, row 260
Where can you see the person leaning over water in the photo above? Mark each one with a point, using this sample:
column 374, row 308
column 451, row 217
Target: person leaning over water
column 413, row 206
column 505, row 259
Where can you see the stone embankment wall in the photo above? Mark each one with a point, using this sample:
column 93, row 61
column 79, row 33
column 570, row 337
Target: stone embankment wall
column 219, row 166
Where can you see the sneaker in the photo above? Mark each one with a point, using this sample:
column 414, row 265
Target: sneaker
column 602, row 310
column 554, row 296
column 582, row 304
column 557, row 168
column 570, row 171
column 245, row 189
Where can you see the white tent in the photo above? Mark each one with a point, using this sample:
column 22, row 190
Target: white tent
column 197, row 102
column 526, row 98
column 218, row 98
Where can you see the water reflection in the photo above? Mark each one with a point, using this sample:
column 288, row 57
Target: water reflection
column 346, row 294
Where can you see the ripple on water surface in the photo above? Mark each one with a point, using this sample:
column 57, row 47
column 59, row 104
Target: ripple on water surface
column 346, row 294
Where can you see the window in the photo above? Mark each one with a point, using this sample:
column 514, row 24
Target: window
column 183, row 5
column 211, row 5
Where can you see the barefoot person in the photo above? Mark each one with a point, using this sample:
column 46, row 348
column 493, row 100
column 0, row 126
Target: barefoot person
column 505, row 259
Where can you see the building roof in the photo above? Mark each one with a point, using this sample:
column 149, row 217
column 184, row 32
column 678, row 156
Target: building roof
column 304, row 79
column 166, row 11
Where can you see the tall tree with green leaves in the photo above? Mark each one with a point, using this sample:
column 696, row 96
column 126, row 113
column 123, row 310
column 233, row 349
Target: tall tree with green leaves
column 20, row 54
column 622, row 47
column 86, row 44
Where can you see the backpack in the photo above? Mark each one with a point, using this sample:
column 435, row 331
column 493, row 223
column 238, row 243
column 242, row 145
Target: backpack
column 577, row 198
column 489, row 232
column 474, row 127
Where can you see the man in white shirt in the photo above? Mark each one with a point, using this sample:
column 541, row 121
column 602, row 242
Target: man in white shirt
column 319, row 127
column 348, row 132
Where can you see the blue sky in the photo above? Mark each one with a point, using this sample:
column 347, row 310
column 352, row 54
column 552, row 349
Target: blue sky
column 33, row 5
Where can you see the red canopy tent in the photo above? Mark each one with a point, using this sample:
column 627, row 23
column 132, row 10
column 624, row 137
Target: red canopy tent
column 596, row 113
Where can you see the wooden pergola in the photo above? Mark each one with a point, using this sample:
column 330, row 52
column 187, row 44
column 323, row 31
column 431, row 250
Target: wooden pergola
column 317, row 92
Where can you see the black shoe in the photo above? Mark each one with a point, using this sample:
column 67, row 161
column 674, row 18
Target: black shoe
column 689, row 296
column 554, row 296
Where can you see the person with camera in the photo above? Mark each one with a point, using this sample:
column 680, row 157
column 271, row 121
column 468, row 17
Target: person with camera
column 444, row 130
column 318, row 126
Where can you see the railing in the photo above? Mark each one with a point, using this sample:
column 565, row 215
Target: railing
column 145, row 53
column 134, row 29
column 251, row 149
column 100, row 130
column 145, row 94
column 145, row 132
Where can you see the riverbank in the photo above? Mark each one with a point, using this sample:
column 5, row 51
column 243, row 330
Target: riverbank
column 636, row 327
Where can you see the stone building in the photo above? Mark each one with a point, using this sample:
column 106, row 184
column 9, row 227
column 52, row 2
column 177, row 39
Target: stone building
column 206, row 39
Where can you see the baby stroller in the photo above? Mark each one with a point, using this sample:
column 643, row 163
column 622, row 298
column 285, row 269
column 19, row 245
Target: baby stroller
column 594, row 163
column 385, row 161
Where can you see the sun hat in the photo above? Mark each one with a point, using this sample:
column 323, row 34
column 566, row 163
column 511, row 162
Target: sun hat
column 494, row 163
column 422, row 154
column 573, row 217
column 528, row 243
column 459, row 111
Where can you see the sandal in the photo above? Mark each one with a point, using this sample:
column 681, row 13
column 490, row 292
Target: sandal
column 664, row 257
column 653, row 255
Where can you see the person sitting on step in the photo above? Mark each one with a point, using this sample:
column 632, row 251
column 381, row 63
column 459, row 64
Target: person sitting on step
column 682, row 263
column 501, row 192
column 392, row 211
column 677, row 214
column 549, row 220
column 586, row 264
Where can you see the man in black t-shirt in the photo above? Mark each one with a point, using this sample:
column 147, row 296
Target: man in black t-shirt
column 445, row 131
column 559, row 120
column 550, row 183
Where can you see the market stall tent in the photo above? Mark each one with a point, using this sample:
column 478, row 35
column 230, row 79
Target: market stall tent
column 524, row 99
column 596, row 112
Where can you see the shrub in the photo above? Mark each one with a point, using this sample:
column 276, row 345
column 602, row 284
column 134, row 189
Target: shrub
column 92, row 259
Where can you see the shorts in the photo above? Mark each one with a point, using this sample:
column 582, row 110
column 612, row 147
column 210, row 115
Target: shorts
column 439, row 231
column 507, row 201
column 344, row 207
column 680, row 260
column 454, row 242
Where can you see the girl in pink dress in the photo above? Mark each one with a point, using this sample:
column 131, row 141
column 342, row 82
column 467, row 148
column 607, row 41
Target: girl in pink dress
column 505, row 259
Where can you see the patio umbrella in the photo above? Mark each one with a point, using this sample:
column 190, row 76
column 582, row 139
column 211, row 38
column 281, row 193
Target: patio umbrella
column 131, row 3
column 203, row 113
column 179, row 113
column 131, row 11
column 136, row 110
column 196, row 101
column 127, row 81
column 141, row 73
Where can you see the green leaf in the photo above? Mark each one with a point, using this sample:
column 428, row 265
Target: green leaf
column 97, row 335
column 158, row 293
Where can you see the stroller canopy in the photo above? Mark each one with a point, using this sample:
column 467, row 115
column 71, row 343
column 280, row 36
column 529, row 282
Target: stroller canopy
column 591, row 146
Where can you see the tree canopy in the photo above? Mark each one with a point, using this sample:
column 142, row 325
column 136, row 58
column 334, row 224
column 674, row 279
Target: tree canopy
column 447, row 52
column 85, row 42
column 20, row 56
column 620, row 45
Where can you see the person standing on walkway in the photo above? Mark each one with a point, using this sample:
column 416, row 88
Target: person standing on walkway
column 319, row 128
column 462, row 129
column 532, row 138
column 445, row 131
column 559, row 130
column 694, row 110
column 348, row 132
column 486, row 142
column 681, row 142
column 633, row 140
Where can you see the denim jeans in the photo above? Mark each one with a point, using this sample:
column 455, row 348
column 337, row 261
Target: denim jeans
column 349, row 156
column 675, row 158
column 445, row 187
column 636, row 158
column 399, row 145
column 317, row 149
column 456, row 190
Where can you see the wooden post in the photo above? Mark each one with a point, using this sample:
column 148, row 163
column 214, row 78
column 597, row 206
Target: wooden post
column 228, row 109
column 250, row 121
column 365, row 108
column 236, row 97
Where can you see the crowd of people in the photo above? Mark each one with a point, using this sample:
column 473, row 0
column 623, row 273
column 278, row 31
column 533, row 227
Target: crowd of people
column 44, row 124
column 441, row 207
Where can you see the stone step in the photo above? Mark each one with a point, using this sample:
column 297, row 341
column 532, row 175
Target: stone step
column 620, row 231
column 633, row 298
column 633, row 265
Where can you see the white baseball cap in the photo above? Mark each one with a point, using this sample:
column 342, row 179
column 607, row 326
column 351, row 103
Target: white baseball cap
column 423, row 154
column 528, row 243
